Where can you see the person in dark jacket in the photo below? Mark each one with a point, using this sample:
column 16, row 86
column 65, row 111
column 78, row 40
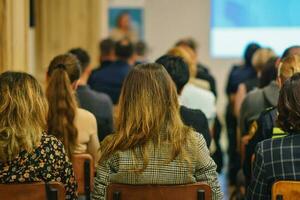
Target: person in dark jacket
column 266, row 124
column 97, row 103
column 278, row 159
column 261, row 98
column 238, row 74
column 179, row 72
column 110, row 79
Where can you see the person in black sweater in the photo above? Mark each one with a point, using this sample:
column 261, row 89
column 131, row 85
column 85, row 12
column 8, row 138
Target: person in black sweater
column 179, row 72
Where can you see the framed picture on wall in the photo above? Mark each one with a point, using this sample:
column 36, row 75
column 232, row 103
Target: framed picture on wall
column 126, row 19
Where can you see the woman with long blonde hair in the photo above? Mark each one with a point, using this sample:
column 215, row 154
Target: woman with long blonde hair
column 75, row 127
column 27, row 154
column 151, row 144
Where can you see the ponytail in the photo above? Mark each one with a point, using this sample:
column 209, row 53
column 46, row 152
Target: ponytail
column 62, row 103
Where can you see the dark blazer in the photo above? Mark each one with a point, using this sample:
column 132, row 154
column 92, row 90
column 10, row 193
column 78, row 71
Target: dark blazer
column 109, row 79
column 197, row 120
column 100, row 105
column 275, row 159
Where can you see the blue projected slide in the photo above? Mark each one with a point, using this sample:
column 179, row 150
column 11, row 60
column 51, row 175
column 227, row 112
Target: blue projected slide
column 272, row 23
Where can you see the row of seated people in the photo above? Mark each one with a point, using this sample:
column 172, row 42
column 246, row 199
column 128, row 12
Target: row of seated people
column 261, row 117
column 117, row 59
column 153, row 141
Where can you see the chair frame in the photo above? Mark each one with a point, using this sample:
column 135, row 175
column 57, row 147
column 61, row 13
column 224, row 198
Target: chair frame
column 202, row 190
column 52, row 190
column 280, row 187
column 88, row 168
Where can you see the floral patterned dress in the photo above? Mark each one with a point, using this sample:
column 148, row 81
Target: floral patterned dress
column 48, row 162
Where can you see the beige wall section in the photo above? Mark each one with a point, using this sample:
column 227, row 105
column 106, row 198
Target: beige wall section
column 64, row 24
column 14, row 26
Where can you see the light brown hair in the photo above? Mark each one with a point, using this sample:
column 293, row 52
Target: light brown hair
column 261, row 57
column 289, row 66
column 23, row 111
column 186, row 54
column 148, row 112
column 63, row 71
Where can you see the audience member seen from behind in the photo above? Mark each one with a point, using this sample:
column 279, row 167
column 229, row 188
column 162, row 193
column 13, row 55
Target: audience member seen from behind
column 140, row 52
column 75, row 127
column 109, row 80
column 238, row 74
column 97, row 103
column 202, row 71
column 266, row 123
column 277, row 159
column 259, row 60
column 27, row 153
column 261, row 98
column 179, row 72
column 192, row 96
column 107, row 53
column 151, row 144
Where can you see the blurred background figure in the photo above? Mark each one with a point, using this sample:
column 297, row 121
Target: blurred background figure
column 109, row 79
column 107, row 53
column 141, row 51
column 124, row 29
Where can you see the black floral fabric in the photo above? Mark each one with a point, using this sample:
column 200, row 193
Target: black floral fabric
column 48, row 162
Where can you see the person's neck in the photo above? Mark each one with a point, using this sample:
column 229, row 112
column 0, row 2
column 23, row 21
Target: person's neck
column 83, row 80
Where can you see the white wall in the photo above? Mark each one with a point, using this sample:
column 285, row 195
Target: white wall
column 166, row 21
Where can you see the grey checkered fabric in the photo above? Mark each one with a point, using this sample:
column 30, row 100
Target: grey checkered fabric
column 275, row 159
column 118, row 168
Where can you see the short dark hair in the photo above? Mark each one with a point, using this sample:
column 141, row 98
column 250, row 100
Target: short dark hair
column 177, row 69
column 82, row 56
column 269, row 72
column 140, row 48
column 288, row 105
column 124, row 49
column 106, row 46
column 289, row 51
column 249, row 52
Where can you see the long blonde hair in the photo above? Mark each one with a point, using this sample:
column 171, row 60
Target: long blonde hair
column 62, row 72
column 23, row 111
column 148, row 111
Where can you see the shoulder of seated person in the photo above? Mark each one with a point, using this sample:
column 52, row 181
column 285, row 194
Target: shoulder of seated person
column 50, row 139
column 82, row 113
column 268, row 110
column 107, row 139
column 192, row 111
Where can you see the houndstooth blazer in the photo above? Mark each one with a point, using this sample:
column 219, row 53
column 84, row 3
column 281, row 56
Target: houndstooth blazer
column 118, row 168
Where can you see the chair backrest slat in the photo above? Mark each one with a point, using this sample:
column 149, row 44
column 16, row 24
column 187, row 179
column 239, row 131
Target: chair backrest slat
column 83, row 166
column 197, row 191
column 32, row 191
column 286, row 190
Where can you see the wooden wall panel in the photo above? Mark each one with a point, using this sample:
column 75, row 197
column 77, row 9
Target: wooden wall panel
column 65, row 24
column 14, row 27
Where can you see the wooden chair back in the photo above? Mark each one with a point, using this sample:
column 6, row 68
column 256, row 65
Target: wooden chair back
column 197, row 191
column 32, row 191
column 286, row 190
column 83, row 166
